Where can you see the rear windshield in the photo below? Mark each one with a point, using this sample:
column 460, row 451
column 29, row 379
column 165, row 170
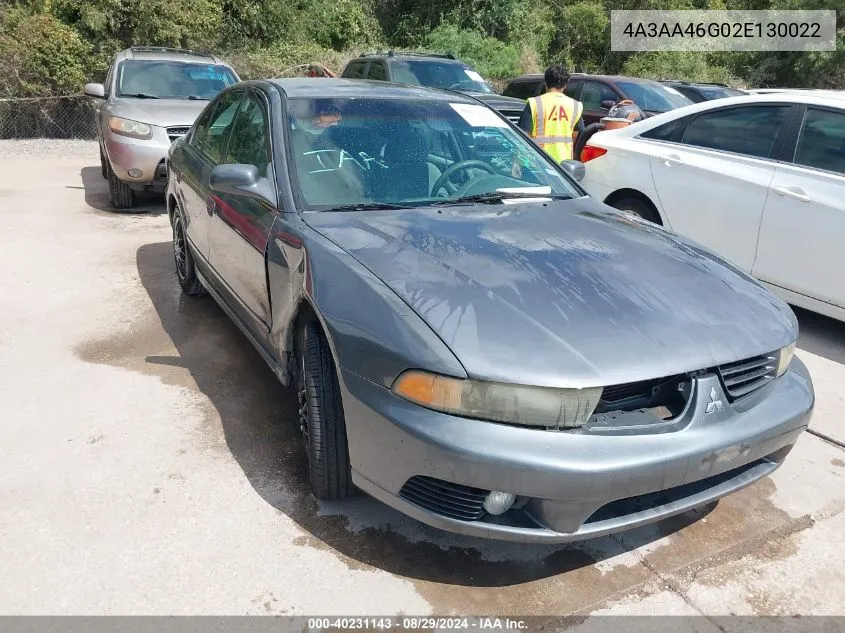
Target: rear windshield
column 172, row 80
column 653, row 97
column 435, row 74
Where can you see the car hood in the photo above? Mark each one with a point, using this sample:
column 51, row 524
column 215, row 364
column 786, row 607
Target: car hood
column 566, row 293
column 161, row 112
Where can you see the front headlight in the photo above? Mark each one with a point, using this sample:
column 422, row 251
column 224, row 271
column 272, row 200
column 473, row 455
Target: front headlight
column 784, row 358
column 499, row 402
column 128, row 127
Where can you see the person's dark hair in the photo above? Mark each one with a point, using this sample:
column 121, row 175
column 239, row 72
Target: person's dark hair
column 556, row 77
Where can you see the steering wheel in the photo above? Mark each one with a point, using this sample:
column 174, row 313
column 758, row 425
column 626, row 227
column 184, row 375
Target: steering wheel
column 461, row 166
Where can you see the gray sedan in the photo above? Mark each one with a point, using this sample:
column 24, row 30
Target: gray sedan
column 474, row 340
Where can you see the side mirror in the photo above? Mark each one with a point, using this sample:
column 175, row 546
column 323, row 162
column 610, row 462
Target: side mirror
column 242, row 180
column 607, row 104
column 97, row 91
column 574, row 168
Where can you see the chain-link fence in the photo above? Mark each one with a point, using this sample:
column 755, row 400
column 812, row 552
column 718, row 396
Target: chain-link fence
column 47, row 117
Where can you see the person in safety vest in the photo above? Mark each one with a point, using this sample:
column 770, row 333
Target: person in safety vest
column 553, row 119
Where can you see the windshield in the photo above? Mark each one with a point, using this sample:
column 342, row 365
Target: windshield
column 411, row 152
column 653, row 97
column 172, row 80
column 434, row 74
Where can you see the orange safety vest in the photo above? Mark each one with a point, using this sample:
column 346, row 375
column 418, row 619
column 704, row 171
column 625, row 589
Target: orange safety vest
column 554, row 116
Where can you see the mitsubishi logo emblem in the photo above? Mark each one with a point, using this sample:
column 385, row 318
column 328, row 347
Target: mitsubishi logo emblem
column 715, row 404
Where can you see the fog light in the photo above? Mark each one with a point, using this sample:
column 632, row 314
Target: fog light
column 499, row 502
column 135, row 172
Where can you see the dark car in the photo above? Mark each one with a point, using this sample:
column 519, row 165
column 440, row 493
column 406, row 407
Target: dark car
column 699, row 92
column 467, row 336
column 432, row 71
column 599, row 93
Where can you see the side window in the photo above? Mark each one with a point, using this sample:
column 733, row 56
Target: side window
column 671, row 131
column 377, row 71
column 594, row 93
column 748, row 130
column 355, row 70
column 573, row 89
column 822, row 141
column 521, row 89
column 210, row 134
column 249, row 142
column 690, row 93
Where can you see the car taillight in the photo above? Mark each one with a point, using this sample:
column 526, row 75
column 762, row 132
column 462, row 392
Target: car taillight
column 590, row 152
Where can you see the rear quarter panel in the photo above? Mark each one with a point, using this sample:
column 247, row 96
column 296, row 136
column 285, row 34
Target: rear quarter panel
column 626, row 165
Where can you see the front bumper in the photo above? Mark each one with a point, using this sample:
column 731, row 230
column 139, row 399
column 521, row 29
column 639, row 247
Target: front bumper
column 578, row 484
column 146, row 155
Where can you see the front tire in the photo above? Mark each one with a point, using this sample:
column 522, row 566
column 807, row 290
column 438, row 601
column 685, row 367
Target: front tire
column 186, row 272
column 104, row 169
column 120, row 193
column 321, row 418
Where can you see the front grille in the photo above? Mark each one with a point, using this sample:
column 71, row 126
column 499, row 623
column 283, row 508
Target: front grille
column 177, row 132
column 745, row 376
column 671, row 392
column 512, row 115
column 455, row 501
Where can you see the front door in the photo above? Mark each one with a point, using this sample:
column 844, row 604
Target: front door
column 240, row 225
column 801, row 238
column 202, row 154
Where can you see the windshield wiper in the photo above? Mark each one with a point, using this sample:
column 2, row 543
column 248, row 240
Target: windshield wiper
column 196, row 98
column 499, row 196
column 139, row 95
column 366, row 206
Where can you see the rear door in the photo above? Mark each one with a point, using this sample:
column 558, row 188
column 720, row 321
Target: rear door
column 592, row 95
column 203, row 152
column 802, row 237
column 713, row 180
column 240, row 225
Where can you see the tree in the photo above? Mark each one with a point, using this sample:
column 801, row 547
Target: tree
column 40, row 56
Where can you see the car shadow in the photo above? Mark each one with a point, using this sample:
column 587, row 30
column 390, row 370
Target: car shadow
column 259, row 421
column 97, row 196
column 821, row 335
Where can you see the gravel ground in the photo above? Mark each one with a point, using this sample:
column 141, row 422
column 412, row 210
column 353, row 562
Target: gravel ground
column 148, row 464
column 46, row 147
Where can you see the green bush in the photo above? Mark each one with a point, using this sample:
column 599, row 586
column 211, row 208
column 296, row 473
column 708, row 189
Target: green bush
column 490, row 57
column 282, row 60
column 40, row 56
column 685, row 65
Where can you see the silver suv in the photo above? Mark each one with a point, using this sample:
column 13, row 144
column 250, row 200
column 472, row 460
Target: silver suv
column 150, row 98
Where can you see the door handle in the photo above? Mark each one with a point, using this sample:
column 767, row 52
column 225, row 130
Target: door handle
column 671, row 159
column 210, row 205
column 793, row 192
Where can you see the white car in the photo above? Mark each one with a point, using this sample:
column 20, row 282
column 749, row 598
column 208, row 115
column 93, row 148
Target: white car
column 759, row 179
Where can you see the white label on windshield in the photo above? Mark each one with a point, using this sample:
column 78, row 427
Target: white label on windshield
column 672, row 90
column 478, row 115
column 541, row 190
column 473, row 75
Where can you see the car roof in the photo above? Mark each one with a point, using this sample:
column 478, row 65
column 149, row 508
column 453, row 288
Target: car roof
column 446, row 58
column 325, row 88
column 611, row 78
column 163, row 53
